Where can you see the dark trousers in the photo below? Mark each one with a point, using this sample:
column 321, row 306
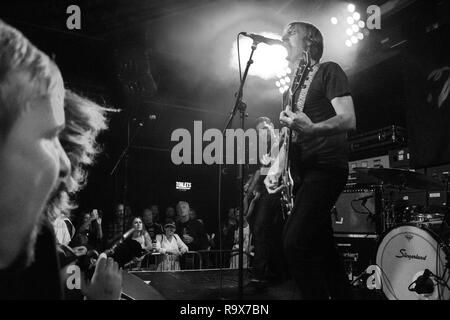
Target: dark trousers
column 308, row 242
column 266, row 225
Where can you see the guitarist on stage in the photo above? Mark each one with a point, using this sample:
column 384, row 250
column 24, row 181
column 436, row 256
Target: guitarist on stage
column 264, row 215
column 319, row 155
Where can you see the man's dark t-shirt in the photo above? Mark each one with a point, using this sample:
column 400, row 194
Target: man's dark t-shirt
column 329, row 82
column 195, row 229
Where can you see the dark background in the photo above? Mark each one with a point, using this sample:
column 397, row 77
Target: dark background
column 170, row 59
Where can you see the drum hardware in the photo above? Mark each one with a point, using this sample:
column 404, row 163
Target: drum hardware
column 403, row 178
column 413, row 255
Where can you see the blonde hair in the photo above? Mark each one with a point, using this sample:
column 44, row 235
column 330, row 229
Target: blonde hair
column 84, row 121
column 19, row 55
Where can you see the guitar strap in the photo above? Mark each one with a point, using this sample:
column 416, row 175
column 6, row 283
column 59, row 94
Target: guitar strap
column 300, row 105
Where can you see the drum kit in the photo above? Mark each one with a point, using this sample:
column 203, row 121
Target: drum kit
column 413, row 255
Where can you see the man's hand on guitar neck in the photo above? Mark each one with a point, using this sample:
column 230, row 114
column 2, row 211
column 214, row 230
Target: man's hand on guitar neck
column 297, row 121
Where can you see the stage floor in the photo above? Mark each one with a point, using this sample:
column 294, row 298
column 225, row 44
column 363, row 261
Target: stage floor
column 208, row 285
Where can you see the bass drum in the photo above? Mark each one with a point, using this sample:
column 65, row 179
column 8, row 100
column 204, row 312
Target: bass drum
column 403, row 255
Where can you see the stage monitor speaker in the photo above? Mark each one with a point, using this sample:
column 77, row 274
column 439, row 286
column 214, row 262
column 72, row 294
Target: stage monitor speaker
column 356, row 212
column 134, row 288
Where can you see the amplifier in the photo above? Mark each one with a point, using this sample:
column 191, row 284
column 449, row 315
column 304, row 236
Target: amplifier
column 399, row 158
column 357, row 251
column 357, row 211
column 374, row 162
column 441, row 173
column 385, row 138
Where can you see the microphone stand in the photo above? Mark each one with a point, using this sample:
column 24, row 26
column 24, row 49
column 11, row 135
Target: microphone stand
column 125, row 154
column 241, row 107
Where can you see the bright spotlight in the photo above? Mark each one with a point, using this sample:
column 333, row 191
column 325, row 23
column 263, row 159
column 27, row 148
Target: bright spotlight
column 348, row 43
column 361, row 24
column 356, row 16
column 349, row 32
column 282, row 82
column 351, row 7
column 360, row 36
column 288, row 70
column 269, row 61
column 354, row 39
column 350, row 20
column 355, row 28
column 281, row 90
column 278, row 84
column 334, row 20
column 289, row 80
column 286, row 88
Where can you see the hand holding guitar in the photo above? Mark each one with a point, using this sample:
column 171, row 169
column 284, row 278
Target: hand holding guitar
column 297, row 121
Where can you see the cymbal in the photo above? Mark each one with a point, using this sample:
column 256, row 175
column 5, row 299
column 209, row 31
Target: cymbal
column 403, row 178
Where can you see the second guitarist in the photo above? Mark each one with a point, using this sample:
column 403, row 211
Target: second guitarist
column 265, row 216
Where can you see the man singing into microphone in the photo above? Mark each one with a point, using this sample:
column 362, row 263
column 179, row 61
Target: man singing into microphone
column 319, row 157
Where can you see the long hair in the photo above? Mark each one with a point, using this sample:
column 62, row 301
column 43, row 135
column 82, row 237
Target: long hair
column 312, row 40
column 84, row 121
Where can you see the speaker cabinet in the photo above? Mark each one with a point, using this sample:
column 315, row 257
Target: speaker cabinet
column 356, row 212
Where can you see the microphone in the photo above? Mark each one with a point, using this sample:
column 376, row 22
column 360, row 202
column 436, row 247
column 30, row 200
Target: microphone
column 124, row 249
column 258, row 38
column 423, row 284
column 118, row 241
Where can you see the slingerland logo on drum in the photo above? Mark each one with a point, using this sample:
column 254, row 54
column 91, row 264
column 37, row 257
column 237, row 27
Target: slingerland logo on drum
column 404, row 254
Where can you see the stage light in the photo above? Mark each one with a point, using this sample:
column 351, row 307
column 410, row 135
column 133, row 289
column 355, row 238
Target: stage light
column 288, row 70
column 355, row 28
column 282, row 82
column 334, row 20
column 361, row 24
column 348, row 43
column 356, row 16
column 286, row 88
column 278, row 84
column 351, row 7
column 350, row 20
column 349, row 32
column 269, row 61
column 281, row 90
column 354, row 39
column 287, row 80
column 360, row 36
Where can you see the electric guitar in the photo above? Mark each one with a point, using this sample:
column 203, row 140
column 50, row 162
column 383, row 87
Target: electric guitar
column 287, row 195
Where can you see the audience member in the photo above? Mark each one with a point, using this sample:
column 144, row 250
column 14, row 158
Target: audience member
column 170, row 214
column 171, row 246
column 32, row 166
column 193, row 216
column 117, row 226
column 192, row 232
column 155, row 211
column 152, row 227
column 141, row 235
column 89, row 232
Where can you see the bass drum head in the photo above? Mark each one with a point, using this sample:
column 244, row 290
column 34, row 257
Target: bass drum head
column 403, row 255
